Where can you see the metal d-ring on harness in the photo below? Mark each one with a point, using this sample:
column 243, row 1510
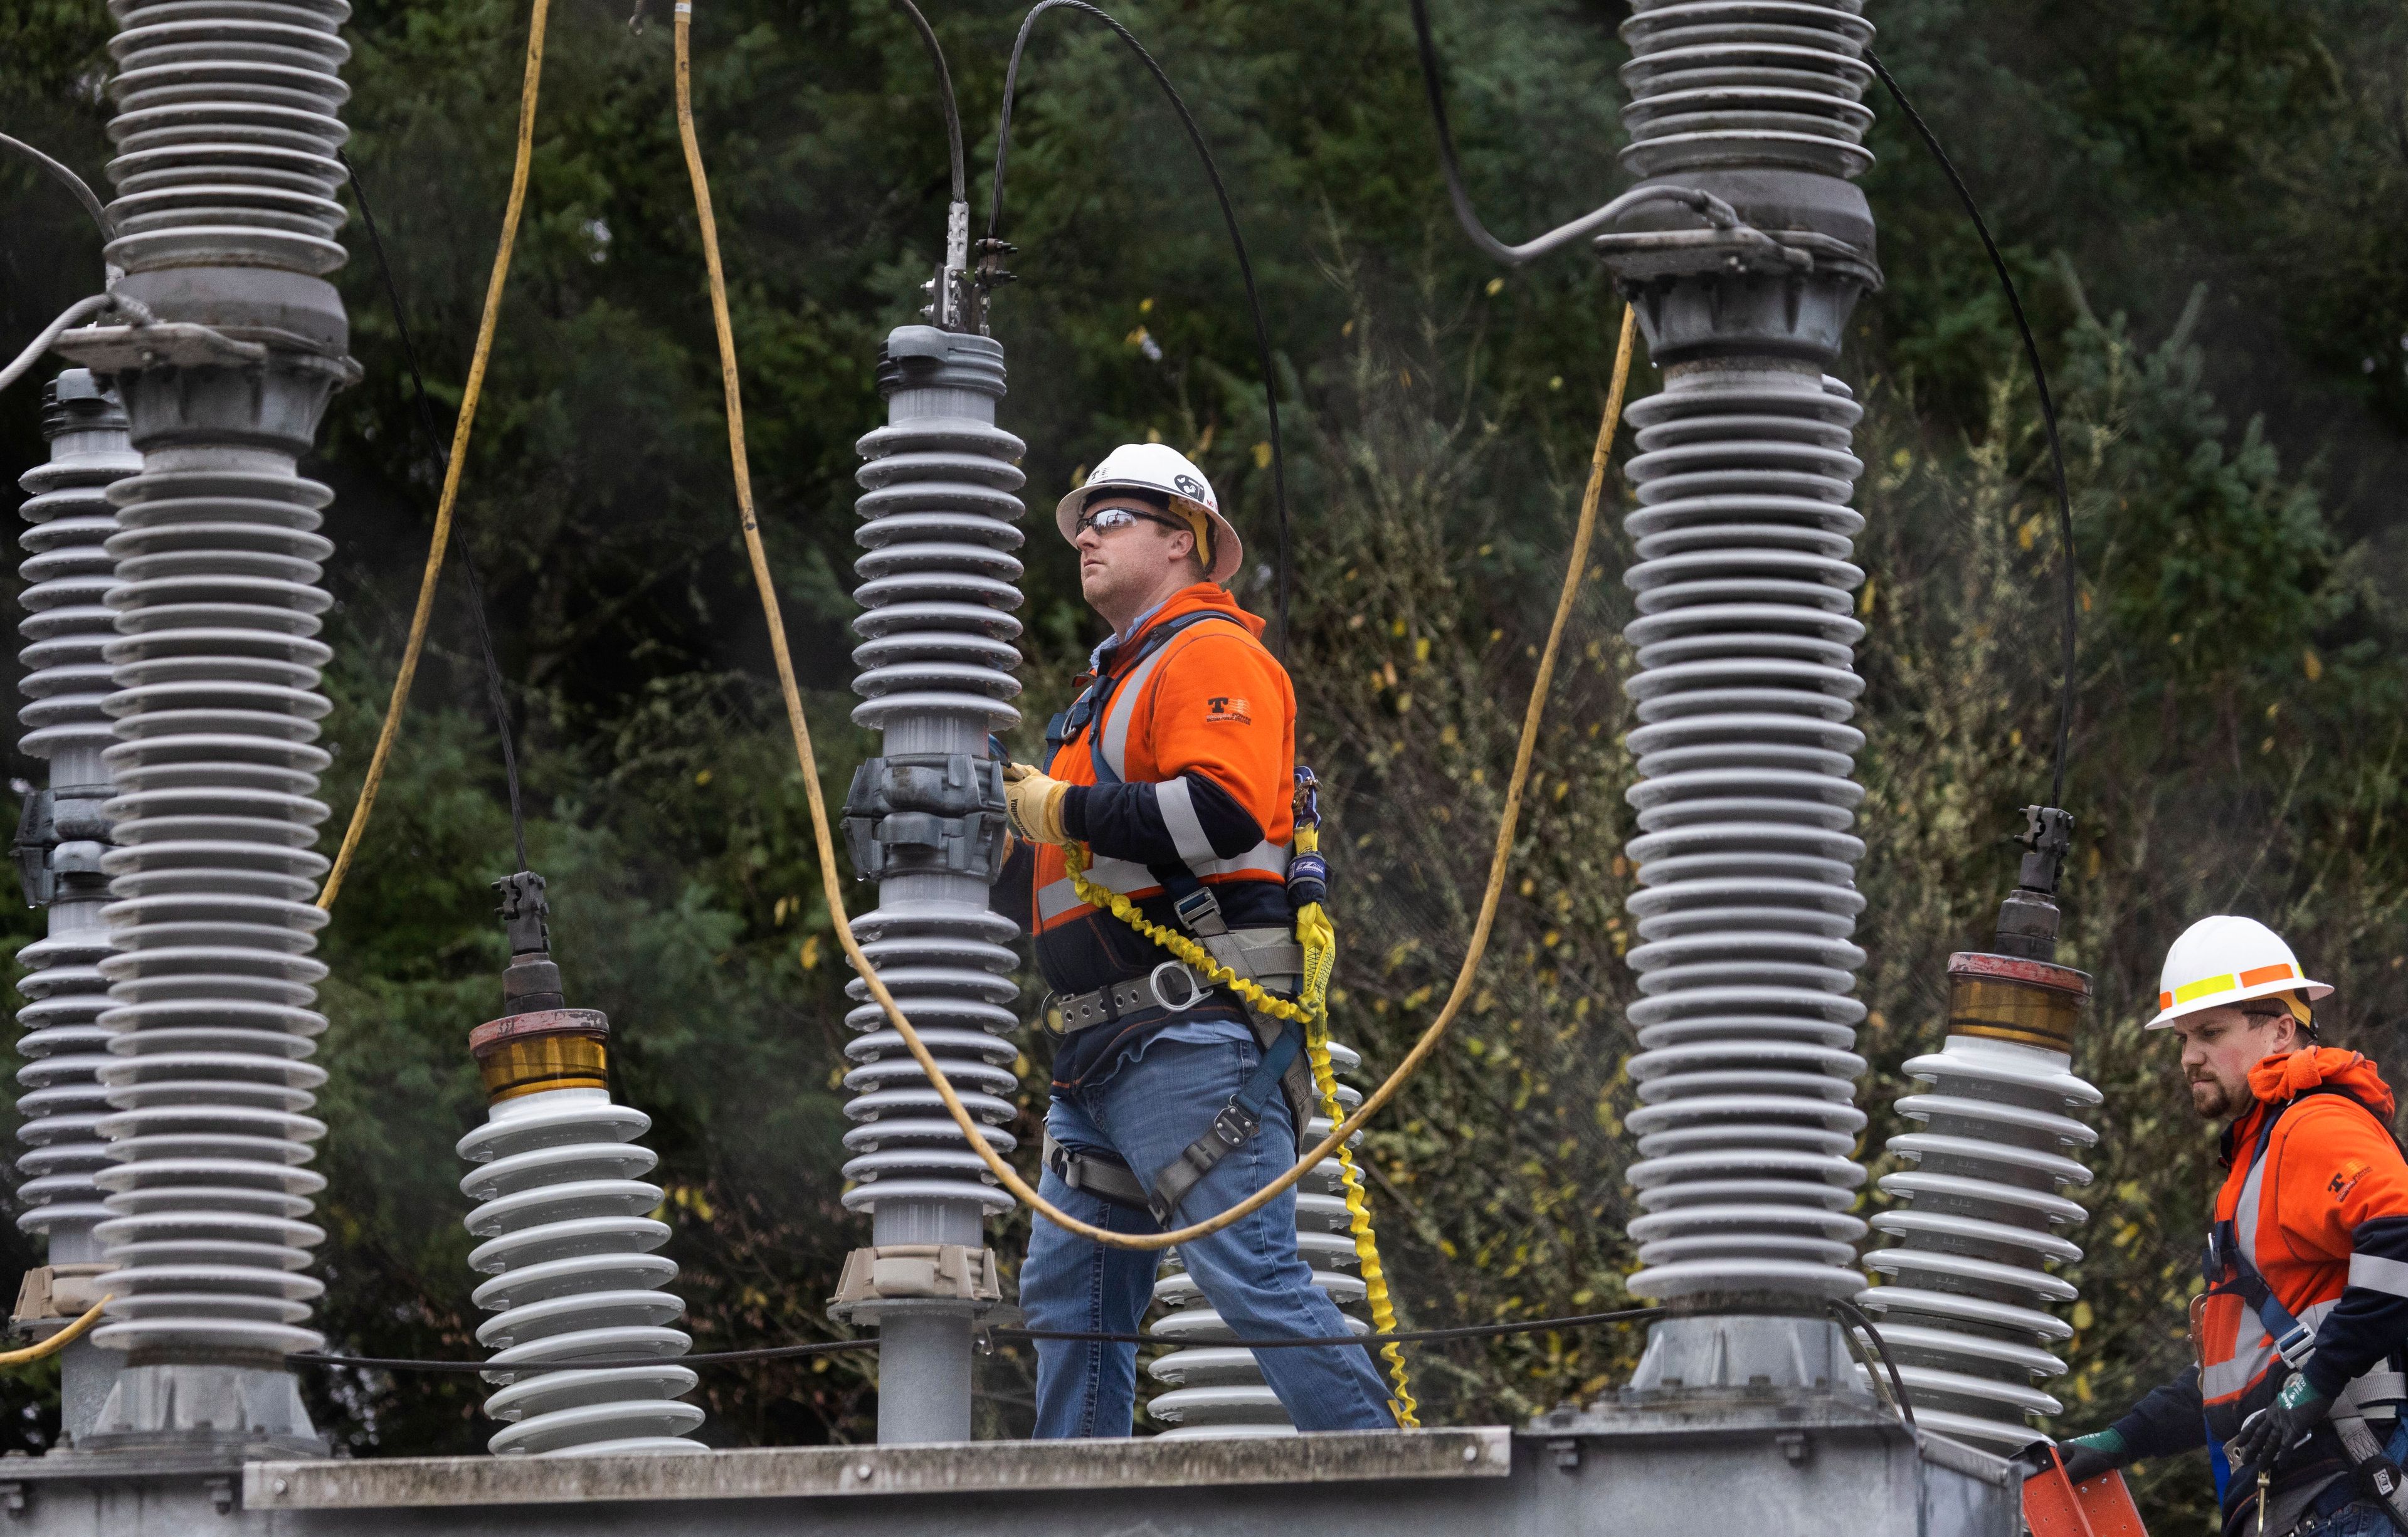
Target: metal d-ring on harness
column 2377, row 1476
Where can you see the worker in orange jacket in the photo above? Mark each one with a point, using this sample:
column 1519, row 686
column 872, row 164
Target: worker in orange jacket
column 1175, row 770
column 2301, row 1328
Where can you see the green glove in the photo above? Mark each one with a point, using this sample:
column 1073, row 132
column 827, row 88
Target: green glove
column 2087, row 1457
column 2274, row 1430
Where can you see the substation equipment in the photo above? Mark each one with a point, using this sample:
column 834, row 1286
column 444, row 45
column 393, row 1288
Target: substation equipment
column 175, row 695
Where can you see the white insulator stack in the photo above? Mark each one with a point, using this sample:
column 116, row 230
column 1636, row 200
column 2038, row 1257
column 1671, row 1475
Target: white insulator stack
column 1747, row 84
column 68, row 624
column 218, row 597
column 226, row 132
column 569, row 1243
column 1745, row 685
column 1966, row 1300
column 926, row 821
column 1218, row 1389
column 228, row 129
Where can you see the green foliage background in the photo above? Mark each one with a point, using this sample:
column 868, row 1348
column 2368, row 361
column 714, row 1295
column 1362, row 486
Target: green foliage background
column 2203, row 199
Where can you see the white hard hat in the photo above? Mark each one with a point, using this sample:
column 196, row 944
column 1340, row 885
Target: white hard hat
column 1159, row 467
column 2225, row 960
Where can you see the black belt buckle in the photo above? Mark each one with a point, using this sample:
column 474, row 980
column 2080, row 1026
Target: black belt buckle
column 1236, row 1124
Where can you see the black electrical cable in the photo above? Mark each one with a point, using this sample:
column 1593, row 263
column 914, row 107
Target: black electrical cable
column 945, row 96
column 1464, row 212
column 74, row 183
column 1853, row 1316
column 1229, row 217
column 2072, row 575
column 431, row 441
column 707, row 1357
column 1367, row 1341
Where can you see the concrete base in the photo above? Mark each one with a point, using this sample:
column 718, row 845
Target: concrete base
column 1759, row 1468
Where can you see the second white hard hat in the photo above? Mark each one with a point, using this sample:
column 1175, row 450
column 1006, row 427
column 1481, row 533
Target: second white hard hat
column 2225, row 960
column 1163, row 469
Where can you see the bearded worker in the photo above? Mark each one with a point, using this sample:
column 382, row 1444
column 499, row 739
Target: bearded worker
column 1174, row 773
column 2299, row 1333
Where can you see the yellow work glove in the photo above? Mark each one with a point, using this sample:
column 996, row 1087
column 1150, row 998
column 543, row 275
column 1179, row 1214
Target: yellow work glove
column 1035, row 803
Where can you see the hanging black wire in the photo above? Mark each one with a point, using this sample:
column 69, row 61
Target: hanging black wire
column 944, row 99
column 2070, row 569
column 1229, row 217
column 433, row 443
column 1853, row 1320
column 1464, row 213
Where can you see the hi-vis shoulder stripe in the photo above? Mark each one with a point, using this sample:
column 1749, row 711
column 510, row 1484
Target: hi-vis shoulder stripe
column 2230, row 982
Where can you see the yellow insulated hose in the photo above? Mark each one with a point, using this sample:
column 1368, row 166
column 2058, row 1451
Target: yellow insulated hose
column 469, row 394
column 831, row 880
column 60, row 1341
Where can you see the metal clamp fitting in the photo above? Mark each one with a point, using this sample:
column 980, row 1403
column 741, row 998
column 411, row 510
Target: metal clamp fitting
column 1236, row 1124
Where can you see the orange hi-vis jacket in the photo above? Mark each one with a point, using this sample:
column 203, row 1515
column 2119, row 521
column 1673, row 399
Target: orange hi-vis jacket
column 2315, row 1198
column 1182, row 763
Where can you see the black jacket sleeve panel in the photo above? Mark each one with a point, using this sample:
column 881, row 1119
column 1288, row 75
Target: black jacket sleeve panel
column 1015, row 886
column 2170, row 1419
column 2372, row 1317
column 1126, row 821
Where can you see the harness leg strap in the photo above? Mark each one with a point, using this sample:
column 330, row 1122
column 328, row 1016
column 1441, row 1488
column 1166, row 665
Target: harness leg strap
column 1106, row 1179
column 1238, row 1121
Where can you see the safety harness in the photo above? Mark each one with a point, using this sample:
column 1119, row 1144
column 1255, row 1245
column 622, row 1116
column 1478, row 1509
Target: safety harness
column 2376, row 1394
column 1250, row 956
column 1293, row 1032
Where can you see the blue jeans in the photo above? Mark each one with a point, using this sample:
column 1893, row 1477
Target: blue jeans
column 1147, row 1113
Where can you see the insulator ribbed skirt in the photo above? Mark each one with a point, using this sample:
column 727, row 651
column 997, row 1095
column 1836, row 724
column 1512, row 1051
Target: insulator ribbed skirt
column 939, row 524
column 1966, row 1307
column 1218, row 1389
column 226, row 134
column 67, row 624
column 218, row 596
column 1745, row 685
column 1747, row 83
column 569, row 1245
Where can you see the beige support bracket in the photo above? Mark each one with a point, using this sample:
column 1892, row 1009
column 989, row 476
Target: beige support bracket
column 948, row 1272
column 52, row 1295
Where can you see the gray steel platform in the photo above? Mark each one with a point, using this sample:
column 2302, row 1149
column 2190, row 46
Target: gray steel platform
column 1761, row 1469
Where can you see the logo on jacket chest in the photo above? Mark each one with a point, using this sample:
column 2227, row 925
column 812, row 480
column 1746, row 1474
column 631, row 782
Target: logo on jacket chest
column 1227, row 710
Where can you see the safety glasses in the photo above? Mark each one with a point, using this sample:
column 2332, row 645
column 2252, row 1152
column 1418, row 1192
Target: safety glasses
column 1106, row 520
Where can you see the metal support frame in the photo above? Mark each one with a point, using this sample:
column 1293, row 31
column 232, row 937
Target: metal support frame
column 1774, row 1467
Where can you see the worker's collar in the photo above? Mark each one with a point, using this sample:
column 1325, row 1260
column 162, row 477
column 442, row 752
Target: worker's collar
column 1113, row 643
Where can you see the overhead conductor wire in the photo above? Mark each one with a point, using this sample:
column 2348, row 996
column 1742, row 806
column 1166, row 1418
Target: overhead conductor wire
column 832, row 883
column 2071, row 571
column 945, row 98
column 470, row 394
column 1229, row 217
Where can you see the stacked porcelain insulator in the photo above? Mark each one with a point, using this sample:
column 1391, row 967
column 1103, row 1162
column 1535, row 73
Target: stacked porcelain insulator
column 226, row 134
column 1218, row 1389
column 569, row 1243
column 938, row 525
column 67, row 624
column 1747, row 84
column 217, row 594
column 1966, row 1306
column 1745, row 685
